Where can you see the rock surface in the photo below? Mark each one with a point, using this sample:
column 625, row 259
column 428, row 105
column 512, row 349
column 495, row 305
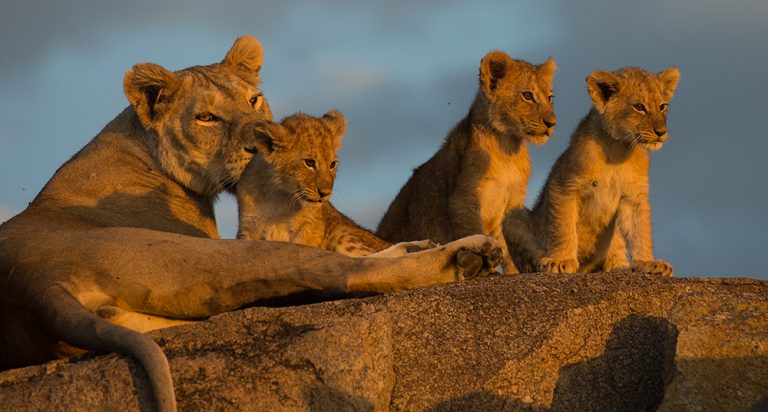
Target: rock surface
column 530, row 342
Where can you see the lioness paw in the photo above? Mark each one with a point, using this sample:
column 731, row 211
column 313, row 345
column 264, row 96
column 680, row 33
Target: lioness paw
column 479, row 255
column 554, row 265
column 654, row 267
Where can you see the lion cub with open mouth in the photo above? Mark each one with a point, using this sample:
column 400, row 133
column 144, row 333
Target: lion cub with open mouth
column 284, row 192
column 594, row 205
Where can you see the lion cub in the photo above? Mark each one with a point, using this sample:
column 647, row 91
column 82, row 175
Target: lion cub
column 596, row 196
column 481, row 171
column 283, row 193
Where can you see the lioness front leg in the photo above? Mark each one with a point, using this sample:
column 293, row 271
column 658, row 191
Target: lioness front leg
column 404, row 248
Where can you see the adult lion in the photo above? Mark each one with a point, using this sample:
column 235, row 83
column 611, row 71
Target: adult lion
column 126, row 227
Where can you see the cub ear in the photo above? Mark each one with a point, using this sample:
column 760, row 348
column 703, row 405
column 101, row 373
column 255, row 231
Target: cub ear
column 547, row 70
column 495, row 66
column 150, row 89
column 246, row 57
column 335, row 121
column 270, row 136
column 669, row 79
column 602, row 85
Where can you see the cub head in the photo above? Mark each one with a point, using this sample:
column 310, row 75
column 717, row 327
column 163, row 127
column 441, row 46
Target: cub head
column 296, row 158
column 518, row 96
column 633, row 103
column 198, row 122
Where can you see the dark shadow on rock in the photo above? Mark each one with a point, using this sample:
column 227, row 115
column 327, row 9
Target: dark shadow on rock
column 631, row 375
column 321, row 398
column 759, row 406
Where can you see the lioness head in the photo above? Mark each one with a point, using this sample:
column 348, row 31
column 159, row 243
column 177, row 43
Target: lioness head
column 297, row 157
column 634, row 103
column 200, row 120
column 518, row 96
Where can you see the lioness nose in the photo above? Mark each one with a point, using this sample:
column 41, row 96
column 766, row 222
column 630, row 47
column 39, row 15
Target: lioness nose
column 660, row 132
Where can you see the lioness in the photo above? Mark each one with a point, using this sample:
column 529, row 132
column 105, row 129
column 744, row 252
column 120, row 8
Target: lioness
column 125, row 227
column 481, row 171
column 596, row 196
column 284, row 191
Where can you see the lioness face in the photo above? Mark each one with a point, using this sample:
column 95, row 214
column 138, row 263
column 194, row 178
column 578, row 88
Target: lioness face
column 634, row 104
column 298, row 157
column 202, row 118
column 519, row 95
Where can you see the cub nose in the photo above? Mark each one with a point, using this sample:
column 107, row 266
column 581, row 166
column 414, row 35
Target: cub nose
column 324, row 193
column 550, row 123
column 660, row 132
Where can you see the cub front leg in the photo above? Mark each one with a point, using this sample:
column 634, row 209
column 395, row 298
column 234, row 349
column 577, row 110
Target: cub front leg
column 562, row 236
column 635, row 225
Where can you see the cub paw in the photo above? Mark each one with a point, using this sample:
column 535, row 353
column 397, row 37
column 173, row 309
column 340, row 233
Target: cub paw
column 553, row 265
column 478, row 259
column 654, row 267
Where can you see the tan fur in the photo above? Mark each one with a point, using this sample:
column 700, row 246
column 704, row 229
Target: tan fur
column 481, row 171
column 594, row 205
column 124, row 228
column 284, row 192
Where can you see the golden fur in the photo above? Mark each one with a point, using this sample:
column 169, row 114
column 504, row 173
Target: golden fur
column 284, row 192
column 122, row 231
column 594, row 205
column 482, row 169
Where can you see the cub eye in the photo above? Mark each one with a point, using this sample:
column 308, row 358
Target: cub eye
column 528, row 96
column 334, row 164
column 663, row 107
column 256, row 101
column 310, row 163
column 639, row 107
column 206, row 117
column 550, row 98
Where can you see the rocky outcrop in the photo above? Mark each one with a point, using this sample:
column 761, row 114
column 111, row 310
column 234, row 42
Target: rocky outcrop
column 530, row 342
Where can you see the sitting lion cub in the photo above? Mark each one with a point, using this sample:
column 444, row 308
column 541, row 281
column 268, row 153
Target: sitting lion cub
column 283, row 193
column 596, row 197
column 481, row 171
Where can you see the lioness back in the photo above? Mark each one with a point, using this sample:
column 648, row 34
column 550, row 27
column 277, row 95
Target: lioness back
column 285, row 191
column 481, row 171
column 594, row 207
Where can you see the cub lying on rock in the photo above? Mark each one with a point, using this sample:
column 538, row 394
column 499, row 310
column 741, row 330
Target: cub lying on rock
column 594, row 205
column 284, row 192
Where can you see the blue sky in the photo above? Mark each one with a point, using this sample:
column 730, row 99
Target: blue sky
column 403, row 73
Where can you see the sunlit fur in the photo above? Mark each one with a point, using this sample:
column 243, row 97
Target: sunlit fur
column 482, row 169
column 594, row 206
column 281, row 197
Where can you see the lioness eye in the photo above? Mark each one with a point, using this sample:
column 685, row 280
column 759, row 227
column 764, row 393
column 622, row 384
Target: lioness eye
column 639, row 107
column 663, row 107
column 334, row 164
column 205, row 117
column 528, row 96
column 310, row 163
column 256, row 101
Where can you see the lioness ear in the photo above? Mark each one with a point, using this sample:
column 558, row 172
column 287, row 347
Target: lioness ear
column 246, row 56
column 494, row 67
column 547, row 70
column 270, row 136
column 601, row 86
column 669, row 79
column 149, row 87
column 335, row 121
